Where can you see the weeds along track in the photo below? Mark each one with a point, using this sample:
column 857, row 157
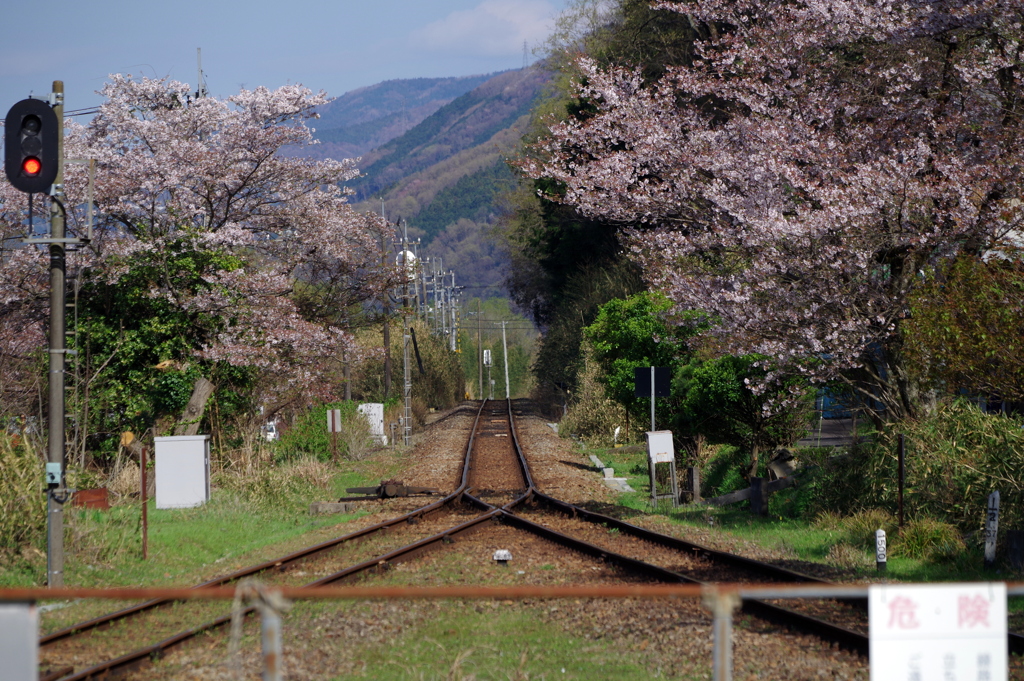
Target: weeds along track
column 500, row 508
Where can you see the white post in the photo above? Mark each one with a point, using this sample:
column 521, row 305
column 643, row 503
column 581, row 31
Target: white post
column 991, row 529
column 880, row 552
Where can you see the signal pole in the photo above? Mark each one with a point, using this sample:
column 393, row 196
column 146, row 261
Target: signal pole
column 55, row 426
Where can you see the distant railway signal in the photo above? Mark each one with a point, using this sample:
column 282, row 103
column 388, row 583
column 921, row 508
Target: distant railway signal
column 31, row 144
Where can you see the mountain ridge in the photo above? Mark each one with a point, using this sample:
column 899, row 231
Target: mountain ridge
column 368, row 117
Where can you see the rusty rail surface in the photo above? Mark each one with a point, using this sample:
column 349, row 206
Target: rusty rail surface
column 769, row 590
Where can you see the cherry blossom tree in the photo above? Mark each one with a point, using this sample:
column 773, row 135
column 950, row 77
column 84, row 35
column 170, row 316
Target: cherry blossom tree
column 203, row 219
column 795, row 180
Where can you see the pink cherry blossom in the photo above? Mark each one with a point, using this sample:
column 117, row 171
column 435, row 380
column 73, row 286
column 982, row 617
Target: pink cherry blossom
column 207, row 173
column 795, row 180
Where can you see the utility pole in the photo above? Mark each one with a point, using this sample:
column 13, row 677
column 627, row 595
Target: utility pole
column 55, row 497
column 407, row 421
column 479, row 349
column 455, row 331
column 504, row 346
column 422, row 279
column 200, row 83
column 387, row 315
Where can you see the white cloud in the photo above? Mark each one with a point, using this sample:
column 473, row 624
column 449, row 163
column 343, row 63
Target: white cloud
column 493, row 28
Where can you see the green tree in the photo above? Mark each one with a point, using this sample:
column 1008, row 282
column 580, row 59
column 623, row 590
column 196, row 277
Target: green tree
column 635, row 333
column 139, row 355
column 717, row 402
column 521, row 337
column 965, row 326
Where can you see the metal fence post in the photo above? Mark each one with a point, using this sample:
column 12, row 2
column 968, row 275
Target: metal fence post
column 270, row 634
column 722, row 606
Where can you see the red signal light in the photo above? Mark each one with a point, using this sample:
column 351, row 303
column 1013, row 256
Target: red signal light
column 31, row 166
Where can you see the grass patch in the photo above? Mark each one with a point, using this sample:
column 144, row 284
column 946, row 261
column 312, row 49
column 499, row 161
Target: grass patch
column 494, row 641
column 249, row 518
column 848, row 544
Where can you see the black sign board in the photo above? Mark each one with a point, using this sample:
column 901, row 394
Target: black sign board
column 662, row 378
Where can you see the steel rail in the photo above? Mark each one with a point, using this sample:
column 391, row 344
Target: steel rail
column 290, row 558
column 844, row 637
column 139, row 656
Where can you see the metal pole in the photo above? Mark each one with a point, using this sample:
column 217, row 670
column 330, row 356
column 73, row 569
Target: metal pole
column 504, row 347
column 652, row 399
column 145, row 504
column 722, row 606
column 455, row 332
column 270, row 635
column 56, row 425
column 899, row 499
column 387, row 312
column 479, row 349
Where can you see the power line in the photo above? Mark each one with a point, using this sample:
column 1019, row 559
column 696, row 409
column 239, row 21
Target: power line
column 89, row 111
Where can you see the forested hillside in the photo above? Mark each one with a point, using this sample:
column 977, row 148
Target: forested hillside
column 471, row 120
column 433, row 150
column 364, row 119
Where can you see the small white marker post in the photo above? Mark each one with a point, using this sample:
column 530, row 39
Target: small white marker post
column 880, row 554
column 334, row 427
column 991, row 529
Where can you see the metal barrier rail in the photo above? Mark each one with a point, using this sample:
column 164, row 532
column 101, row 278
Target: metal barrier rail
column 721, row 599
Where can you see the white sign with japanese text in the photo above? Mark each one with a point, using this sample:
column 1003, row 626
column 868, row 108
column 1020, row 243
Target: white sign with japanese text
column 954, row 632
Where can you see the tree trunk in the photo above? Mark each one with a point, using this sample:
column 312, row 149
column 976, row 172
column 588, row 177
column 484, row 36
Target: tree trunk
column 752, row 467
column 193, row 414
column 348, row 379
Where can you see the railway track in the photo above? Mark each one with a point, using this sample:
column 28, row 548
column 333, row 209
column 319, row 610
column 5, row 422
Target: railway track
column 495, row 488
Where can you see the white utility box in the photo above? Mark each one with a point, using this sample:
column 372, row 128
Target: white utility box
column 19, row 641
column 182, row 471
column 374, row 413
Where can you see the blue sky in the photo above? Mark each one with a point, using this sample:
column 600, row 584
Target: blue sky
column 335, row 46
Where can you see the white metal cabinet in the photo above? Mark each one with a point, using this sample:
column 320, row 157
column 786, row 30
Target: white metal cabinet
column 182, row 471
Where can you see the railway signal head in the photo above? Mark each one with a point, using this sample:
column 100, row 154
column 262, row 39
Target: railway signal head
column 31, row 145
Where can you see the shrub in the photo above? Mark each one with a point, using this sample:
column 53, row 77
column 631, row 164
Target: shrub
column 22, row 502
column 860, row 527
column 724, row 472
column 929, row 539
column 308, row 437
column 592, row 415
column 844, row 555
column 954, row 459
column 268, row 486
